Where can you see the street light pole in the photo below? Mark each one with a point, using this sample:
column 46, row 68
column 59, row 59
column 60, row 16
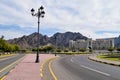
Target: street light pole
column 39, row 14
column 99, row 47
column 55, row 45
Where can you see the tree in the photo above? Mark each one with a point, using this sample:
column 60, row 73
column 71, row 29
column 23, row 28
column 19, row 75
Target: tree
column 34, row 49
column 44, row 49
column 6, row 47
column 49, row 48
column 2, row 44
column 15, row 47
column 2, row 37
column 41, row 49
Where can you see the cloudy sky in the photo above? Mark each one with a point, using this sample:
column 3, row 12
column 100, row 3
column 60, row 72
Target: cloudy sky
column 94, row 18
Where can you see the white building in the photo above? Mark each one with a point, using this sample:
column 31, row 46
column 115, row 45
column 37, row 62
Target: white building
column 78, row 44
column 72, row 44
column 103, row 43
column 81, row 44
column 94, row 44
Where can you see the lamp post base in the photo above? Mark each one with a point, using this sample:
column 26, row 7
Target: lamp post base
column 37, row 58
column 55, row 54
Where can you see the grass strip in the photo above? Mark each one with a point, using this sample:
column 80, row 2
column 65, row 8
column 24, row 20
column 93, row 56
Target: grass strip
column 112, row 57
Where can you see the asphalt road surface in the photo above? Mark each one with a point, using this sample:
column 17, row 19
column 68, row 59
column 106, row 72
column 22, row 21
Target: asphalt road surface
column 6, row 64
column 81, row 68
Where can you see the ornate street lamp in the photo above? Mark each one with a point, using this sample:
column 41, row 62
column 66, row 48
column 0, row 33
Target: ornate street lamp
column 39, row 14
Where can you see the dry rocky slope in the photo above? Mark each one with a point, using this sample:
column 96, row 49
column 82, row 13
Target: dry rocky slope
column 62, row 39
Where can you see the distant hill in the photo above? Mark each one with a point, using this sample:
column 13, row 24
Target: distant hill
column 117, row 41
column 62, row 39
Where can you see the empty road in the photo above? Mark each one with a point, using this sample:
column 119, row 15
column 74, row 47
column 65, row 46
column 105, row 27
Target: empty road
column 81, row 68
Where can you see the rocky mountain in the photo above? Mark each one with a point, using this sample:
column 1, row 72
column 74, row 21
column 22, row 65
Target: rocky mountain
column 117, row 41
column 61, row 39
column 30, row 40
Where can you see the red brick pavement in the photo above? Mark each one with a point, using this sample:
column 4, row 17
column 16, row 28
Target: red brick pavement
column 27, row 69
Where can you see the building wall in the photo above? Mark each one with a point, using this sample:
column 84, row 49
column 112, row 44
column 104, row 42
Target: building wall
column 94, row 44
column 81, row 44
column 72, row 44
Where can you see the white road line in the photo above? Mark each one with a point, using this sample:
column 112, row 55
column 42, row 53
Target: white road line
column 95, row 70
column 71, row 59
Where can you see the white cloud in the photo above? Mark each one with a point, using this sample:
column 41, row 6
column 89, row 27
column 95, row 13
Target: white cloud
column 11, row 34
column 84, row 16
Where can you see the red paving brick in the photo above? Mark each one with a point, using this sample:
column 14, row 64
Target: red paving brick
column 27, row 69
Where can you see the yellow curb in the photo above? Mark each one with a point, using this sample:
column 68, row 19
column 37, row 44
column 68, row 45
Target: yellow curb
column 51, row 71
column 11, row 70
column 41, row 74
column 3, row 78
column 40, row 69
column 42, row 66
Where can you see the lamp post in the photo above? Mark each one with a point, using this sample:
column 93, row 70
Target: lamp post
column 99, row 46
column 55, row 45
column 39, row 14
column 78, row 46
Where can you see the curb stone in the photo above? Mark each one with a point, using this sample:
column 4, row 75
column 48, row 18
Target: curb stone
column 93, row 58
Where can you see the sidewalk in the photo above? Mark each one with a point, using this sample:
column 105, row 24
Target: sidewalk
column 94, row 58
column 27, row 69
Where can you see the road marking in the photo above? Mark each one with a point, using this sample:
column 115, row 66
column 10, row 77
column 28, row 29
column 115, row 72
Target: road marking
column 42, row 66
column 51, row 71
column 11, row 64
column 71, row 59
column 95, row 70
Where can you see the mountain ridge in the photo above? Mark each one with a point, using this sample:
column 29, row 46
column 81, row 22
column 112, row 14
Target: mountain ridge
column 62, row 39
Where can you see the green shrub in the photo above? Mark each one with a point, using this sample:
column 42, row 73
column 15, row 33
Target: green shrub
column 73, row 50
column 118, row 49
column 66, row 50
column 91, row 50
column 82, row 50
column 111, row 49
column 58, row 50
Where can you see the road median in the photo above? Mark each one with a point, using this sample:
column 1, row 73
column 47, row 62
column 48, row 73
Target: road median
column 110, row 62
column 27, row 69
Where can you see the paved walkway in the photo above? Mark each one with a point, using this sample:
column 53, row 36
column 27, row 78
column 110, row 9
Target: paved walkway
column 94, row 58
column 27, row 69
